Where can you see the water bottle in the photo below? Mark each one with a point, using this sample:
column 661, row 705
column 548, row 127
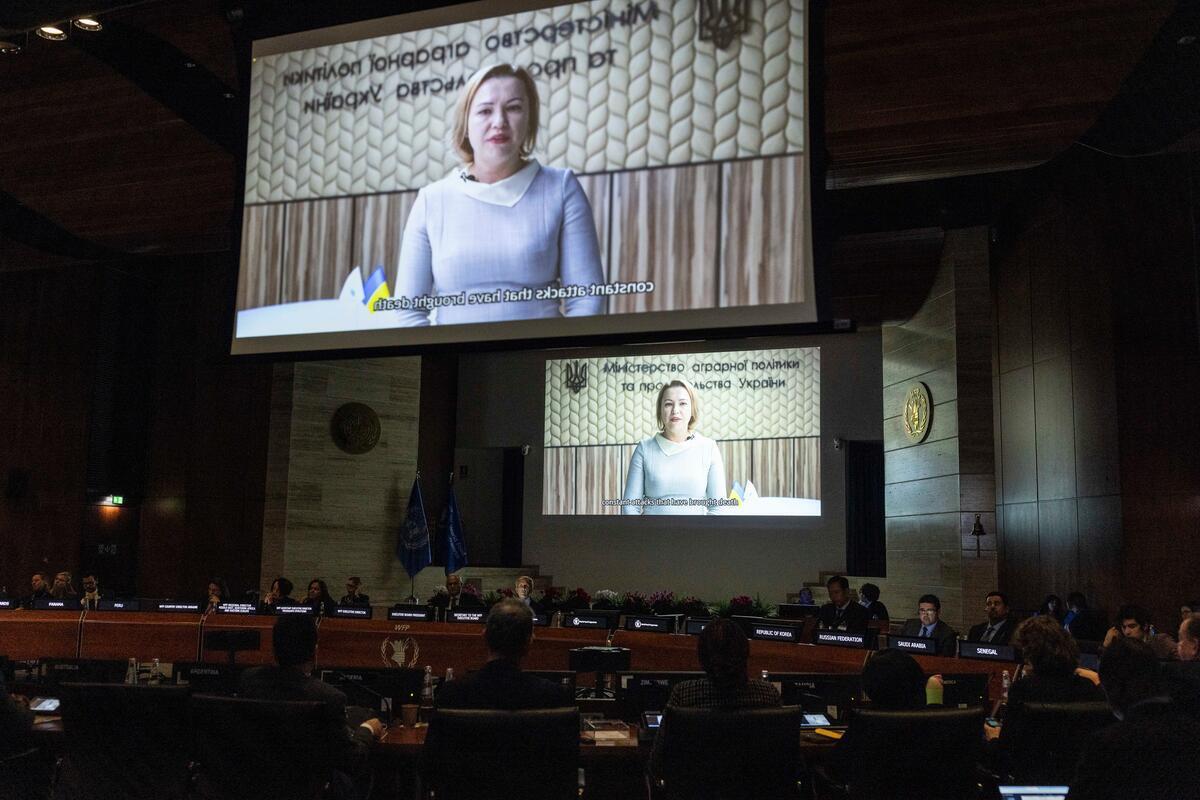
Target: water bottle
column 1005, row 684
column 426, row 708
column 765, row 674
column 449, row 675
column 131, row 672
column 155, row 674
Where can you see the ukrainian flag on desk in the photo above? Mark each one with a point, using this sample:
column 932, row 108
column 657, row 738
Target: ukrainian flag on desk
column 375, row 288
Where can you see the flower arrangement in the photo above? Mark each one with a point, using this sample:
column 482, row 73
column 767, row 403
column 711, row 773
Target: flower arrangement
column 634, row 603
column 472, row 590
column 577, row 600
column 662, row 601
column 605, row 600
column 693, row 607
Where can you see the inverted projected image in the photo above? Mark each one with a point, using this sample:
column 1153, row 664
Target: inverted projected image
column 728, row 433
column 587, row 168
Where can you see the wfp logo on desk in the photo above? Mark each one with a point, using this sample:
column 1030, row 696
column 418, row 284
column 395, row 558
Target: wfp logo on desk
column 400, row 652
column 575, row 377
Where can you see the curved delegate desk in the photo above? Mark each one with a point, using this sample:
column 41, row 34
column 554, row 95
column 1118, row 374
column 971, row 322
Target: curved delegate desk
column 379, row 643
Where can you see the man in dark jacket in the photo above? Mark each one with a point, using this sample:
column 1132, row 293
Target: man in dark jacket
column 929, row 625
column 999, row 626
column 295, row 643
column 841, row 613
column 501, row 683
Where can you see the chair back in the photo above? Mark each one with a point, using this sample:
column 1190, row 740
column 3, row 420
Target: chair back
column 479, row 754
column 25, row 775
column 927, row 753
column 127, row 741
column 719, row 754
column 265, row 749
column 1051, row 740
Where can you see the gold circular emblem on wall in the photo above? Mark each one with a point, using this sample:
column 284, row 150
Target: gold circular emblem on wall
column 355, row 428
column 918, row 413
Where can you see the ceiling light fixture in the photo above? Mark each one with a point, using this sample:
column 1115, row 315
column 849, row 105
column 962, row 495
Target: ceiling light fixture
column 54, row 33
column 8, row 48
column 88, row 24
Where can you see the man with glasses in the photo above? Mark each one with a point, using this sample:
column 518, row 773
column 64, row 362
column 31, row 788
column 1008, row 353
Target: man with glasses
column 928, row 625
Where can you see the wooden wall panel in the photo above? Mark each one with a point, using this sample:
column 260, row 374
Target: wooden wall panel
column 261, row 279
column 1017, row 436
column 317, row 249
column 1014, row 333
column 1055, row 427
column 558, row 480
column 379, row 221
column 600, row 475
column 664, row 228
column 1058, row 546
column 765, row 232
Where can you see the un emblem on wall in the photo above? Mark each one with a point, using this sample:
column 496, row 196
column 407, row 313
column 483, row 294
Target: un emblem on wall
column 918, row 413
column 355, row 428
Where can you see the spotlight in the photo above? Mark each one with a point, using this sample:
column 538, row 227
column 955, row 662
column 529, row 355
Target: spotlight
column 52, row 32
column 9, row 48
column 88, row 24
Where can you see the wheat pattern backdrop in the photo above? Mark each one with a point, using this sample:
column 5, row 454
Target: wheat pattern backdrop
column 667, row 99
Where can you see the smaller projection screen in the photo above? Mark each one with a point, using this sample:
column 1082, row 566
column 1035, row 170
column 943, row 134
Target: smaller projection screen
column 726, row 433
column 666, row 188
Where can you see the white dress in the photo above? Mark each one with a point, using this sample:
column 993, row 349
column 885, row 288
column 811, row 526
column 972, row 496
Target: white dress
column 532, row 230
column 674, row 477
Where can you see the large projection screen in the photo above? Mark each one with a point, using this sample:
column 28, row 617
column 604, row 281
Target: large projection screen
column 671, row 190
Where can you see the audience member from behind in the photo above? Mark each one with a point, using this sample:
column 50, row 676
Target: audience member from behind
column 62, row 588
column 1134, row 622
column 354, row 595
column 1052, row 606
column 280, row 594
column 16, row 723
column 1183, row 676
column 38, row 589
column 501, row 683
column 1051, row 660
column 841, row 613
column 319, row 598
column 868, row 598
column 1151, row 753
column 999, row 626
column 1079, row 619
column 295, row 644
column 929, row 625
column 1189, row 608
column 723, row 651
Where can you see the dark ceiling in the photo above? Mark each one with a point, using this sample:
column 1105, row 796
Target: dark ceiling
column 129, row 141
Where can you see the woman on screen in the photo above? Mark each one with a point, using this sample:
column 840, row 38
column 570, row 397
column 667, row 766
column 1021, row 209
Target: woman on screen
column 676, row 471
column 502, row 223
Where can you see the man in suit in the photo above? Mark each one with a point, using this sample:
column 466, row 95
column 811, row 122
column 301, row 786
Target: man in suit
column 353, row 596
column 999, row 626
column 91, row 597
column 841, row 613
column 38, row 589
column 294, row 640
column 869, row 599
column 928, row 625
column 453, row 596
column 1183, row 676
column 501, row 683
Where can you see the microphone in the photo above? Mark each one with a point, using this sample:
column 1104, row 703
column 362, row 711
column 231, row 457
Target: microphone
column 385, row 703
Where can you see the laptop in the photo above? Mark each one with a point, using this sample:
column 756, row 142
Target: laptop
column 1033, row 792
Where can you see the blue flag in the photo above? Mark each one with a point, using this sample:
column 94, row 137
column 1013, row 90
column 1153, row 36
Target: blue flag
column 456, row 543
column 413, row 546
